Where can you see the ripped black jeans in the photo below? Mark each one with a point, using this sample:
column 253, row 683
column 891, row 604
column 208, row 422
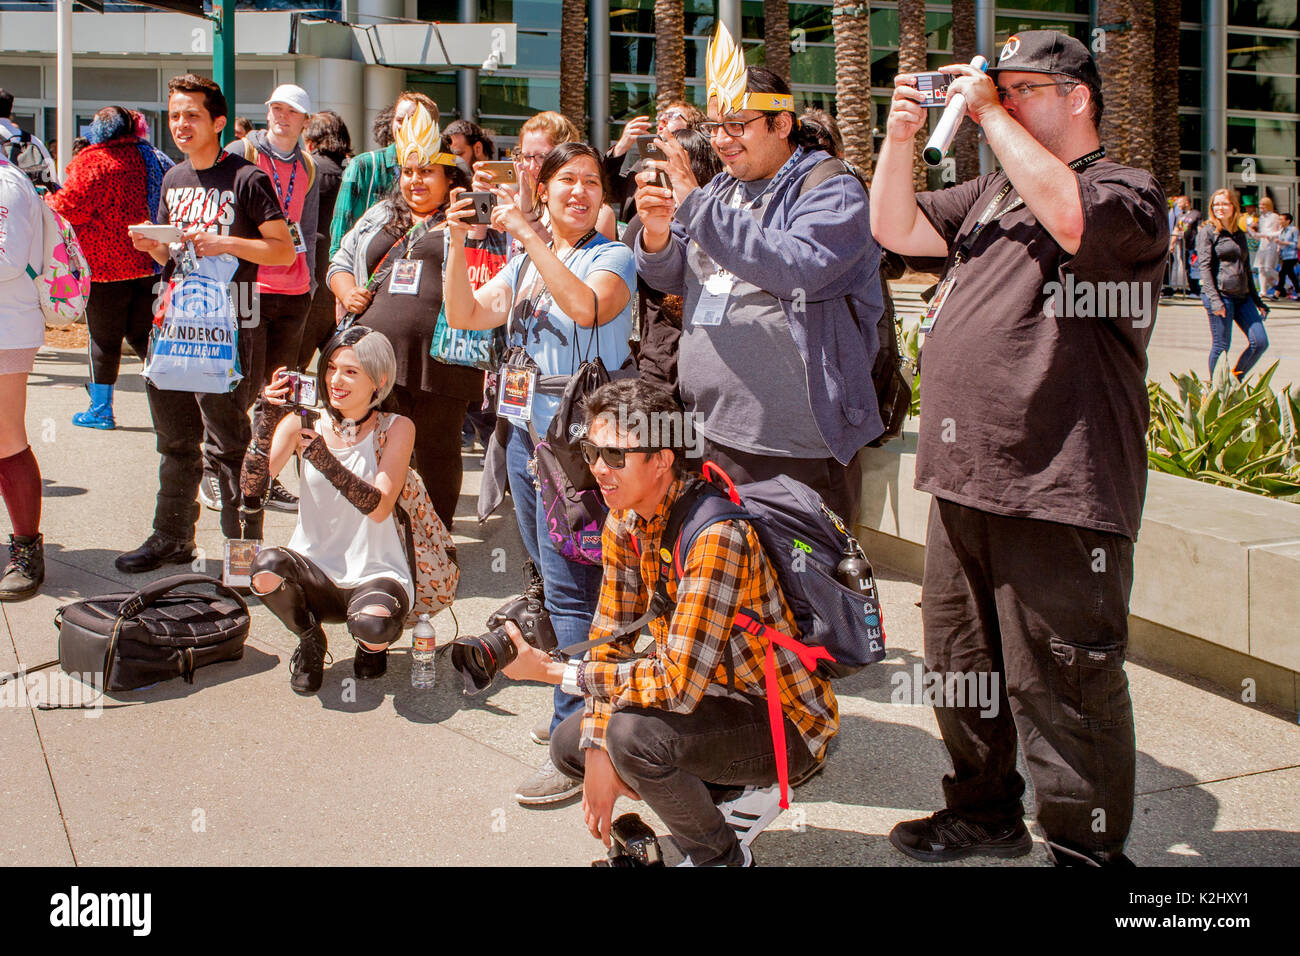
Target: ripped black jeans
column 306, row 598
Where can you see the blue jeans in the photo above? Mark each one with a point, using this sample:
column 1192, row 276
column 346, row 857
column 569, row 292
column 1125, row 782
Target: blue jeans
column 1243, row 312
column 571, row 589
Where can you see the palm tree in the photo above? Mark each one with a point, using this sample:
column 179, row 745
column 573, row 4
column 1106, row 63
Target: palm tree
column 776, row 37
column 966, row 147
column 1127, row 127
column 852, row 30
column 1167, row 47
column 573, row 63
column 670, row 52
column 912, row 59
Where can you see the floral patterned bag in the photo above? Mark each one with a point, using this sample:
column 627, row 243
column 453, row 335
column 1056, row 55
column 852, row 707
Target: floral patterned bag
column 430, row 550
column 63, row 284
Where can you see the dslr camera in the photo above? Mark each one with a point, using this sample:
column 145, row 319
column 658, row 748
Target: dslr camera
column 477, row 659
column 634, row 844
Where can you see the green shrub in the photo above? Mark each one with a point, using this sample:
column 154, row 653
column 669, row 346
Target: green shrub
column 1237, row 434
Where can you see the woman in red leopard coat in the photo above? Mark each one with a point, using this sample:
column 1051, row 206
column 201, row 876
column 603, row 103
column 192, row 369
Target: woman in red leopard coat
column 113, row 183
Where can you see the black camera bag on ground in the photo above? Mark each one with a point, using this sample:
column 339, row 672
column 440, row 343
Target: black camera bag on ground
column 162, row 631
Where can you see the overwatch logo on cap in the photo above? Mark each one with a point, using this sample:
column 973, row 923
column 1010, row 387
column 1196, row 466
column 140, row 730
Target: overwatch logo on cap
column 1011, row 48
column 727, row 80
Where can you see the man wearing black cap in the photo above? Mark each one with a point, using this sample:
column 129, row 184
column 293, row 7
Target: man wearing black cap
column 1032, row 441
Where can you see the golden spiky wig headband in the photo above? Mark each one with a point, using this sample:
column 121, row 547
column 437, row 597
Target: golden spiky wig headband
column 727, row 80
column 419, row 134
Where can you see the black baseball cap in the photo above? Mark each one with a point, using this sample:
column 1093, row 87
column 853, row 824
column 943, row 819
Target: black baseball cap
column 1047, row 51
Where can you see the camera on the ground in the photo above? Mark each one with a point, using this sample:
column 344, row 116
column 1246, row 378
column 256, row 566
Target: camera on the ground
column 633, row 844
column 478, row 659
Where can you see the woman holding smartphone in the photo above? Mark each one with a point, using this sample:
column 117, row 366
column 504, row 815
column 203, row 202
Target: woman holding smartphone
column 389, row 270
column 562, row 300
column 346, row 560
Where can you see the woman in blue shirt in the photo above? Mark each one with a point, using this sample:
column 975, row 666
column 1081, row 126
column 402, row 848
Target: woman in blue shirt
column 565, row 300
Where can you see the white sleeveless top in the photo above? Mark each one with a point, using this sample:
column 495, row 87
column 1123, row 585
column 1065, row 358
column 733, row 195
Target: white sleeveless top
column 345, row 544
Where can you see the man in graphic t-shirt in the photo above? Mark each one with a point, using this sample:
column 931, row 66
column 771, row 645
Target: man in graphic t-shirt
column 229, row 214
column 1032, row 442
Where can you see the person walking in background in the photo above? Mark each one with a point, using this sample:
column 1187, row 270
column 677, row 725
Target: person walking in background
column 22, row 333
column 370, row 176
column 1266, row 262
column 16, row 141
column 1228, row 284
column 326, row 138
column 1286, row 250
column 109, row 187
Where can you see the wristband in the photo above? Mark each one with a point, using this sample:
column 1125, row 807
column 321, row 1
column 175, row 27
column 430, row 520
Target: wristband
column 572, row 681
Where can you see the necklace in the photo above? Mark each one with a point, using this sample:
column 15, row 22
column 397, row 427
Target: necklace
column 348, row 428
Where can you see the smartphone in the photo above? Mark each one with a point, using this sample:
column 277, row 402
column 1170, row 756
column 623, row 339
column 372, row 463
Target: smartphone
column 502, row 173
column 484, row 203
column 156, row 233
column 645, row 145
column 935, row 87
column 302, row 389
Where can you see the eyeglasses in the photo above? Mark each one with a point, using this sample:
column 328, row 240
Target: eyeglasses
column 1021, row 90
column 734, row 128
column 614, row 457
column 519, row 156
column 670, row 116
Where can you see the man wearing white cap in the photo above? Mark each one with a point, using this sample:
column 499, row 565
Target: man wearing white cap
column 284, row 291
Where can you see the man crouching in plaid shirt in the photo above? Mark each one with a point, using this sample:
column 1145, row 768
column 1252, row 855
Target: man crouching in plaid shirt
column 670, row 727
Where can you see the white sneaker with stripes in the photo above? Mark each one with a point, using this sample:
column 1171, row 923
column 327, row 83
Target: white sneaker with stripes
column 749, row 813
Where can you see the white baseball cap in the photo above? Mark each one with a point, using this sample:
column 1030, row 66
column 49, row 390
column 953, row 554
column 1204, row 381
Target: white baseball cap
column 294, row 97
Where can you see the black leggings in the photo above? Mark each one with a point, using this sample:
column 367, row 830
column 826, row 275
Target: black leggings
column 116, row 311
column 306, row 598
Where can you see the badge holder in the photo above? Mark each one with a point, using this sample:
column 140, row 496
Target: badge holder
column 405, row 277
column 712, row 304
column 295, row 234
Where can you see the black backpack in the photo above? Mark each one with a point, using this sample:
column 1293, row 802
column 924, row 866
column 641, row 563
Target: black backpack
column 27, row 156
column 893, row 385
column 153, row 634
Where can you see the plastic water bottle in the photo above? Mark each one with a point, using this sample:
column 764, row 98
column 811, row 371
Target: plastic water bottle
column 422, row 644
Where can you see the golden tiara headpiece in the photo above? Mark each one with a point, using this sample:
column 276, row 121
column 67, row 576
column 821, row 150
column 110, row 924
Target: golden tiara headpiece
column 727, row 79
column 419, row 134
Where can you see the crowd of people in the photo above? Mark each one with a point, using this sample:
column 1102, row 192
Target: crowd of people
column 730, row 276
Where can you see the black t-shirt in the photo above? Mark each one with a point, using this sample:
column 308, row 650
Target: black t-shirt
column 232, row 197
column 410, row 320
column 1033, row 380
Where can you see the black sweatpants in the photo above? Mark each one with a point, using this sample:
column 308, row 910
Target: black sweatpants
column 117, row 311
column 1043, row 607
column 438, row 421
column 670, row 759
column 305, row 598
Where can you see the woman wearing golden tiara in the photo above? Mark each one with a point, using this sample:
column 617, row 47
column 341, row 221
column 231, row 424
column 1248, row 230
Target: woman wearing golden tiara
column 389, row 272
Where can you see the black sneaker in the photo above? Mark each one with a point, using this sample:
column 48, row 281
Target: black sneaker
column 370, row 664
column 210, row 491
column 279, row 498
column 307, row 665
column 946, row 836
column 26, row 568
column 154, row 553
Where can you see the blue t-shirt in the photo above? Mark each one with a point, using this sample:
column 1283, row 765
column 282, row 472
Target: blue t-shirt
column 551, row 338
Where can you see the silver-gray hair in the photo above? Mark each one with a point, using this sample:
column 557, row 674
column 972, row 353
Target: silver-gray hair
column 374, row 354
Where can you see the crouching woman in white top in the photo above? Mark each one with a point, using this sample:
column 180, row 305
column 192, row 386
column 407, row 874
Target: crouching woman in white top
column 346, row 560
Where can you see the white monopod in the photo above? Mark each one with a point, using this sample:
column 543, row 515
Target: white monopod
column 941, row 139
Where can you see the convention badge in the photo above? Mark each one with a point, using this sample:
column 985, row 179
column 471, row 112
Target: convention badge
column 295, row 233
column 931, row 314
column 237, row 564
column 515, row 392
column 712, row 304
column 405, row 277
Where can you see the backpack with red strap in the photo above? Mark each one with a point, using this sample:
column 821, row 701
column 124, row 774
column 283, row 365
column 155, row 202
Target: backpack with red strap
column 840, row 628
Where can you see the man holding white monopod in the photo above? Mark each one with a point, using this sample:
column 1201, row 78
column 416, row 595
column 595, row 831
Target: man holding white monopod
column 1032, row 441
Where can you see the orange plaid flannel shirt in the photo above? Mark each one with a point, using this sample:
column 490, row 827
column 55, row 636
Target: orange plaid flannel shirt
column 725, row 570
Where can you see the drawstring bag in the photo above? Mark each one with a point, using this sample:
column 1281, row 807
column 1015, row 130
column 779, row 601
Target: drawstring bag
column 194, row 345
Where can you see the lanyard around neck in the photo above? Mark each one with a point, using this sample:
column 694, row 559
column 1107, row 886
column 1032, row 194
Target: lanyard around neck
column 992, row 214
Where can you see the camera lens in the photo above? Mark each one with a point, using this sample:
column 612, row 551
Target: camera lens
column 477, row 659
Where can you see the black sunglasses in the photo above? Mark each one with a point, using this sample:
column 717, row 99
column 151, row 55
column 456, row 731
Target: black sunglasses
column 614, row 457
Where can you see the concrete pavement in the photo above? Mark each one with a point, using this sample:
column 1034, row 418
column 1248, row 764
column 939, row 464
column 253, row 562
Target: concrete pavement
column 236, row 769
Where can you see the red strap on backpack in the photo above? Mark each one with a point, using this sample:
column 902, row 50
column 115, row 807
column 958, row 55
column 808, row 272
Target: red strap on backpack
column 808, row 656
